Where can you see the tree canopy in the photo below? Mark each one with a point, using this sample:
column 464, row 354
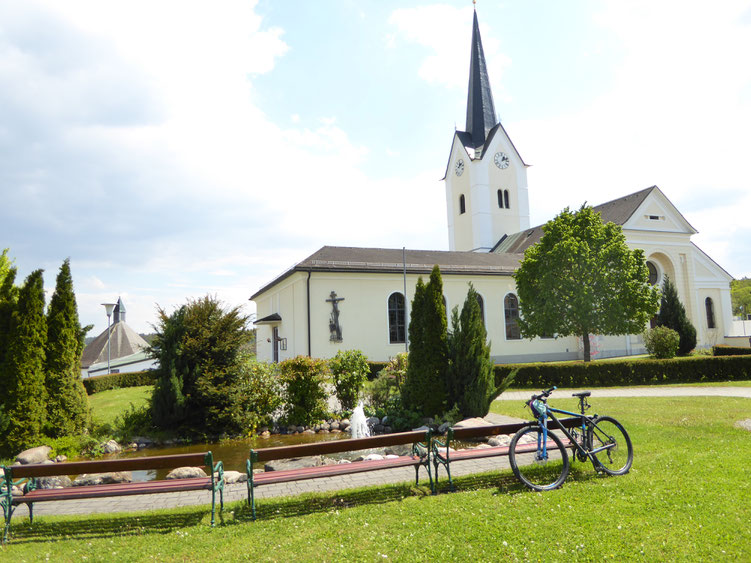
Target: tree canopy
column 740, row 293
column 581, row 279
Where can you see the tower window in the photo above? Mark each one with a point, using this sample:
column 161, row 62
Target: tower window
column 462, row 207
column 500, row 199
column 653, row 275
column 511, row 312
column 397, row 319
column 709, row 305
column 505, row 199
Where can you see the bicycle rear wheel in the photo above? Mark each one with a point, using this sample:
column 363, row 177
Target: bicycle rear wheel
column 537, row 469
column 607, row 432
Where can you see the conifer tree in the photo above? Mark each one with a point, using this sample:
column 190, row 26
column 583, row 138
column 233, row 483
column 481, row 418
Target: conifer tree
column 424, row 389
column 673, row 315
column 24, row 366
column 471, row 380
column 67, row 404
column 8, row 298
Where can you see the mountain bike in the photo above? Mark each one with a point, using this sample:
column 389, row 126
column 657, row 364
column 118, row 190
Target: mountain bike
column 539, row 456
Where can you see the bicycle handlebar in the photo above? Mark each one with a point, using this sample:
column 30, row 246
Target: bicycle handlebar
column 545, row 393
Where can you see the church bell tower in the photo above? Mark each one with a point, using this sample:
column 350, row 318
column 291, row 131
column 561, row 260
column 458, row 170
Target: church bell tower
column 486, row 178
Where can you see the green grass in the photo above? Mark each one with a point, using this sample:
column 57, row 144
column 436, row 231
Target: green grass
column 108, row 405
column 685, row 499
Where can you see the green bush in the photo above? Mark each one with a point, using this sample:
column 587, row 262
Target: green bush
column 349, row 371
column 119, row 381
column 722, row 350
column 662, row 342
column 134, row 421
column 262, row 388
column 376, row 368
column 631, row 372
column 400, row 417
column 304, row 389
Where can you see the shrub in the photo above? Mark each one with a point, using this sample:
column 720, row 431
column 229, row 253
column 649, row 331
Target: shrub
column 400, row 417
column 673, row 315
column 722, row 350
column 349, row 371
column 134, row 421
column 304, row 389
column 119, row 381
column 262, row 388
column 662, row 342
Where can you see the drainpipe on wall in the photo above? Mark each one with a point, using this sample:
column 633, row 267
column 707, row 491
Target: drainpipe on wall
column 308, row 306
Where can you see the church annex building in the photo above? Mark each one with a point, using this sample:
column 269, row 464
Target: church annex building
column 342, row 298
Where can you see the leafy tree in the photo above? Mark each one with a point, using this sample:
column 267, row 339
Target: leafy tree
column 424, row 389
column 471, row 381
column 349, row 371
column 198, row 349
column 673, row 315
column 740, row 294
column 24, row 366
column 581, row 278
column 67, row 404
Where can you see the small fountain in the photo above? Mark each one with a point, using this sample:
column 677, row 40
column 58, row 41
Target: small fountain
column 358, row 424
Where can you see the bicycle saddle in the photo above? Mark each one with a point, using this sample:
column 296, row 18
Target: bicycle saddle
column 582, row 394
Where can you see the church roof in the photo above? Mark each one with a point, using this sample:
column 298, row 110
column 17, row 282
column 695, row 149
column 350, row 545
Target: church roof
column 124, row 341
column 389, row 261
column 617, row 211
column 481, row 116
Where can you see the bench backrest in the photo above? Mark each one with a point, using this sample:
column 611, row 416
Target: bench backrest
column 337, row 446
column 471, row 432
column 108, row 465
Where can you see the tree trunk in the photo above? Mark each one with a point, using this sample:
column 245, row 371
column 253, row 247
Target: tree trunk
column 587, row 355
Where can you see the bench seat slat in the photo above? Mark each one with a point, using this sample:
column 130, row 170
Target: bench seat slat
column 497, row 451
column 108, row 465
column 289, row 475
column 116, row 489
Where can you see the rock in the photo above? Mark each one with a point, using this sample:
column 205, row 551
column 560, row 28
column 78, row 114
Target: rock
column 344, row 424
column 745, row 424
column 343, row 461
column 308, row 431
column 263, row 429
column 143, row 442
column 292, row 429
column 235, row 477
column 470, row 422
column 16, row 492
column 427, row 421
column 56, row 482
column 103, row 478
column 298, row 463
column 372, row 421
column 110, row 447
column 378, row 428
column 481, row 447
column 497, row 441
column 61, row 458
column 391, row 456
column 387, row 430
column 334, row 426
column 373, row 457
column 47, row 462
column 421, row 428
column 132, row 446
column 300, row 429
column 444, row 427
column 403, row 449
column 186, row 473
column 34, row 455
column 336, row 431
column 328, row 461
column 265, row 434
column 385, row 420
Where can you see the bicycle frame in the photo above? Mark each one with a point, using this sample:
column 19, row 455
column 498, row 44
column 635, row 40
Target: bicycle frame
column 581, row 450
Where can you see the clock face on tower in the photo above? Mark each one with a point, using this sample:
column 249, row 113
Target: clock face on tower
column 501, row 160
column 459, row 167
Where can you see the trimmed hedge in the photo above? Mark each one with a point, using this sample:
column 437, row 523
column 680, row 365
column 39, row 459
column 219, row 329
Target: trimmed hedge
column 722, row 350
column 119, row 380
column 634, row 372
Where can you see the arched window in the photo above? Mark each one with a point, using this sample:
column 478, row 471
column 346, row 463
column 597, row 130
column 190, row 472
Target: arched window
column 397, row 319
column 505, row 199
column 500, row 199
column 653, row 275
column 710, row 312
column 481, row 303
column 511, row 312
column 462, row 207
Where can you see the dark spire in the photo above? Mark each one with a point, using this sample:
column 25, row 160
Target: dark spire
column 480, row 109
column 119, row 311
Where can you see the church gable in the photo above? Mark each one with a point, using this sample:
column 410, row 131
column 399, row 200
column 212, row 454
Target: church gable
column 657, row 213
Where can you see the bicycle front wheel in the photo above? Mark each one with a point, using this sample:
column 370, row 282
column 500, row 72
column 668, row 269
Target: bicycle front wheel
column 608, row 435
column 540, row 465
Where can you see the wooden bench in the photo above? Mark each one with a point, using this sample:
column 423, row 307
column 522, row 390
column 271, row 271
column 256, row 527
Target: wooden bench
column 419, row 439
column 442, row 455
column 20, row 475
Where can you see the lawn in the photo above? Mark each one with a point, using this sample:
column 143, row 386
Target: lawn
column 107, row 405
column 686, row 498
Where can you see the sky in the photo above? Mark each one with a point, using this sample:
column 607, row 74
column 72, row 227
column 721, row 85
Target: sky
column 174, row 149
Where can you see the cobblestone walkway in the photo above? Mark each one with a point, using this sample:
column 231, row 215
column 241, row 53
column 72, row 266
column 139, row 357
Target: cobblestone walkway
column 238, row 491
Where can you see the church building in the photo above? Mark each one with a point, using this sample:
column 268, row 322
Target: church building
column 343, row 298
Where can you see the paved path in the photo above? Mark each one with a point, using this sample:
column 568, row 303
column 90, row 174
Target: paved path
column 239, row 491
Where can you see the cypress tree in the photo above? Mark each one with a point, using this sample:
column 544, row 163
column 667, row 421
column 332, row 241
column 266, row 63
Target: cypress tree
column 8, row 299
column 673, row 315
column 471, row 377
column 67, row 404
column 424, row 389
column 24, row 366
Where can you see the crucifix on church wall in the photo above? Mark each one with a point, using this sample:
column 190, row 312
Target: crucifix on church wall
column 334, row 327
